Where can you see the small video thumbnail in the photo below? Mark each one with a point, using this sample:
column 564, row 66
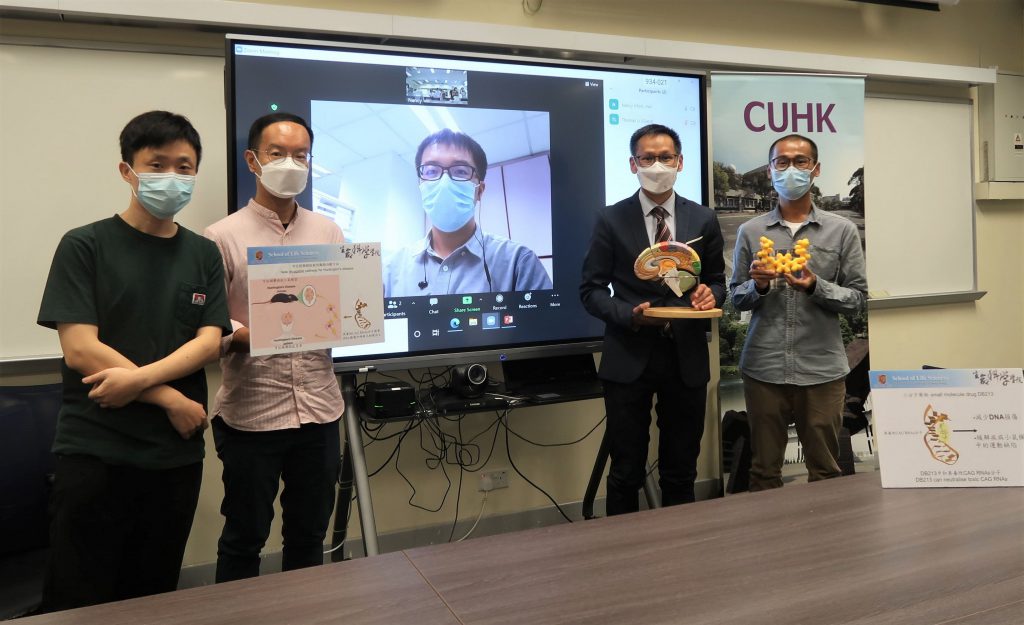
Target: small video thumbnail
column 428, row 85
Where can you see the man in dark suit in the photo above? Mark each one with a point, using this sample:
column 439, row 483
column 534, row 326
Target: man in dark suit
column 645, row 356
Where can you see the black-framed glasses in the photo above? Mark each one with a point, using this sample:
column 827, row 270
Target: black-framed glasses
column 782, row 163
column 275, row 155
column 649, row 159
column 455, row 172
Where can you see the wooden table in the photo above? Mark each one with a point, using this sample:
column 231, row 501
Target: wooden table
column 842, row 551
column 384, row 590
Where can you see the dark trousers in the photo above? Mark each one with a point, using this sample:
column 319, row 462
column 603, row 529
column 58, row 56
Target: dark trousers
column 680, row 413
column 817, row 411
column 307, row 460
column 116, row 532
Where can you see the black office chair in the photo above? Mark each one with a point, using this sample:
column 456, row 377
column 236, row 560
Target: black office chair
column 857, row 388
column 736, row 453
column 28, row 420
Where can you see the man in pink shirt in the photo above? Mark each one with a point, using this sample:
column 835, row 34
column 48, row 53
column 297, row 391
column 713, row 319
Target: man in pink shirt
column 276, row 417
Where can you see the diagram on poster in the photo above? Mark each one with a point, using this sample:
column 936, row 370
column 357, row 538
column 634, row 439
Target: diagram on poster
column 936, row 439
column 949, row 427
column 309, row 297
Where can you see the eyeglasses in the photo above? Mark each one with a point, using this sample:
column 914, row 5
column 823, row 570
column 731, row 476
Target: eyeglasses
column 664, row 159
column 782, row 163
column 455, row 172
column 302, row 158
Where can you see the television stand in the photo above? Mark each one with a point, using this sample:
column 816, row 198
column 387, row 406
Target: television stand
column 579, row 385
column 353, row 465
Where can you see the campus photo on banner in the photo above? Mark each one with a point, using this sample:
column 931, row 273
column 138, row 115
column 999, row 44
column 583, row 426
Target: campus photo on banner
column 748, row 113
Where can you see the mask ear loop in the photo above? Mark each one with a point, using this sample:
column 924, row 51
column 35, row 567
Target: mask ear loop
column 259, row 175
column 483, row 247
column 134, row 193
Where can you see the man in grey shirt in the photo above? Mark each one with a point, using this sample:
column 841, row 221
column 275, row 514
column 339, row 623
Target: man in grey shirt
column 456, row 256
column 793, row 363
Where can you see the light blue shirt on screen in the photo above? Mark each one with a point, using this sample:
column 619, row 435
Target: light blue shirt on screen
column 512, row 267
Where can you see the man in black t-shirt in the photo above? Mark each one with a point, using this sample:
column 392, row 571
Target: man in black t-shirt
column 139, row 304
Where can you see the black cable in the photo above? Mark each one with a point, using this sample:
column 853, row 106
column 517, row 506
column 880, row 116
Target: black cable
column 580, row 439
column 369, row 428
column 436, row 454
column 394, row 451
column 494, row 441
column 348, row 520
column 388, row 375
column 431, row 378
column 444, row 497
column 456, row 452
column 468, row 447
column 443, row 448
column 654, row 465
column 508, row 450
column 483, row 255
column 458, row 499
column 371, row 434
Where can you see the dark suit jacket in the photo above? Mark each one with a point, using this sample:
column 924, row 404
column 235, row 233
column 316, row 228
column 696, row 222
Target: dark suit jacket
column 620, row 234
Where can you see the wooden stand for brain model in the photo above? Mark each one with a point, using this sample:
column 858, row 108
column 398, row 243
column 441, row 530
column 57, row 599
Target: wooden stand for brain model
column 678, row 266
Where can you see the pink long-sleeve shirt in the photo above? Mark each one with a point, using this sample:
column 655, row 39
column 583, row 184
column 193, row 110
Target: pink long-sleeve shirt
column 282, row 391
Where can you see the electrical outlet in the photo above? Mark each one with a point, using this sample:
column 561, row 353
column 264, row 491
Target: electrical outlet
column 491, row 480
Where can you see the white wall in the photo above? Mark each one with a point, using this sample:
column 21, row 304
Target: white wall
column 985, row 333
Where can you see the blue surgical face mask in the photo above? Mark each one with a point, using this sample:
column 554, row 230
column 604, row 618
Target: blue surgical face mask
column 792, row 183
column 448, row 203
column 164, row 195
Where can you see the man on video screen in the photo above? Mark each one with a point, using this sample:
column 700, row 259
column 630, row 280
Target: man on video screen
column 456, row 256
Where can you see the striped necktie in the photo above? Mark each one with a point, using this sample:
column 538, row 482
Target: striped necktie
column 661, row 231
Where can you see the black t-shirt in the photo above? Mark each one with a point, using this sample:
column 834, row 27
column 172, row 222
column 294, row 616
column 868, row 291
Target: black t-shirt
column 148, row 296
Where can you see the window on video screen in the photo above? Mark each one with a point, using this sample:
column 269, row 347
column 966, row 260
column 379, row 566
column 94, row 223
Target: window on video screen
column 472, row 215
column 480, row 179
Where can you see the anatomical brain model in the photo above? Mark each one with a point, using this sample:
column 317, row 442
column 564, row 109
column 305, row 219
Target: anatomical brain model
column 676, row 264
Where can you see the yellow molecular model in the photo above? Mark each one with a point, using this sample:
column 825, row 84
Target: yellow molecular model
column 783, row 263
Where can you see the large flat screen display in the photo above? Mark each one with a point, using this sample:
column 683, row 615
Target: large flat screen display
column 479, row 175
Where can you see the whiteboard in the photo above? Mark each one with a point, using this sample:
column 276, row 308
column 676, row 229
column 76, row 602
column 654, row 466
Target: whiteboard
column 918, row 197
column 61, row 111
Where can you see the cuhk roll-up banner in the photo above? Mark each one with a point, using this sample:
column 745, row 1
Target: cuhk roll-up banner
column 749, row 112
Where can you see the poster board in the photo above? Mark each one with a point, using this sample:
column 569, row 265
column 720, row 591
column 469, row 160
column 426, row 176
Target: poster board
column 949, row 427
column 307, row 297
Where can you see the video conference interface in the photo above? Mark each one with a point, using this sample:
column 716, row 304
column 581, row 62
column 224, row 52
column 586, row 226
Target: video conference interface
column 556, row 144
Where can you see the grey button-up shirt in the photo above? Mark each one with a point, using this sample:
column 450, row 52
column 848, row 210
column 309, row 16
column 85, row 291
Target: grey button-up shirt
column 510, row 267
column 794, row 338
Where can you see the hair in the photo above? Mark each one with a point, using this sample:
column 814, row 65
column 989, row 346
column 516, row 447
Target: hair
column 155, row 129
column 654, row 129
column 258, row 126
column 454, row 139
column 814, row 146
